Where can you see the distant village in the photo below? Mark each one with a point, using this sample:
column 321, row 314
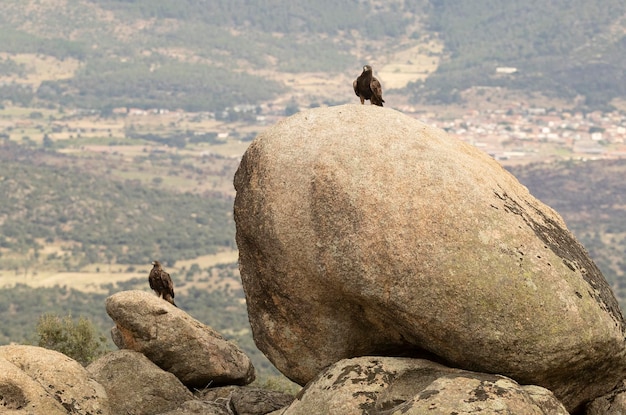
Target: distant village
column 522, row 134
column 516, row 134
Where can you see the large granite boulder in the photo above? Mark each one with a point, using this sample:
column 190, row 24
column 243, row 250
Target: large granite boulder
column 362, row 231
column 403, row 386
column 137, row 386
column 42, row 381
column 198, row 355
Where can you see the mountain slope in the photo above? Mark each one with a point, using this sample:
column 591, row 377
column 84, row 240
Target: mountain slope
column 189, row 55
column 209, row 55
column 563, row 48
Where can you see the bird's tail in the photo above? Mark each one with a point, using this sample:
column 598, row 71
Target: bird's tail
column 376, row 101
column 169, row 299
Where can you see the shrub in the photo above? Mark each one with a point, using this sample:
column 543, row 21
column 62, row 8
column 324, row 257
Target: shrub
column 76, row 339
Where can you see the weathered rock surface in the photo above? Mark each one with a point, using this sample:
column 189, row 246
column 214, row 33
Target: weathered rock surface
column 403, row 386
column 198, row 355
column 42, row 381
column 21, row 395
column 613, row 403
column 362, row 231
column 137, row 386
column 246, row 400
column 202, row 408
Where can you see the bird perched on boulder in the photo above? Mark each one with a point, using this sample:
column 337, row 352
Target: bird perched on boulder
column 366, row 87
column 161, row 283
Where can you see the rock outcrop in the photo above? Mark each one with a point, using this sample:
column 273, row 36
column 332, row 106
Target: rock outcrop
column 135, row 385
column 34, row 380
column 42, row 381
column 195, row 353
column 362, row 231
column 395, row 386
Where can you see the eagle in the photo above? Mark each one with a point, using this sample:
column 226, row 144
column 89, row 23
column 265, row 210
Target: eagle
column 367, row 87
column 161, row 283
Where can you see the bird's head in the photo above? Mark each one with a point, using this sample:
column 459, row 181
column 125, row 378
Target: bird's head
column 367, row 68
column 156, row 263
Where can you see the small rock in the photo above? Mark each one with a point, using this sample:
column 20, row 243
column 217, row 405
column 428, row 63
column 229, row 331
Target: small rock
column 137, row 386
column 173, row 340
column 246, row 400
column 198, row 407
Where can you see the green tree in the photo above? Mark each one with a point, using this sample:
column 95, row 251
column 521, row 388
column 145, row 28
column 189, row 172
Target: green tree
column 76, row 339
column 47, row 141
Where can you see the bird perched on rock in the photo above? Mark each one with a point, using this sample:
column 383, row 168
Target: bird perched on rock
column 367, row 87
column 161, row 283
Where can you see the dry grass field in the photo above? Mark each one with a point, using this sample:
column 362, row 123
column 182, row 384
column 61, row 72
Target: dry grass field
column 39, row 68
column 412, row 63
column 94, row 277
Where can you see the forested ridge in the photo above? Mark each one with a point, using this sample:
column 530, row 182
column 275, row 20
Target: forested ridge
column 373, row 18
column 97, row 219
column 560, row 48
column 210, row 55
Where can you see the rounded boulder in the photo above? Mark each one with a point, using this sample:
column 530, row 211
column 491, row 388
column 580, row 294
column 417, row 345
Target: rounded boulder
column 363, row 231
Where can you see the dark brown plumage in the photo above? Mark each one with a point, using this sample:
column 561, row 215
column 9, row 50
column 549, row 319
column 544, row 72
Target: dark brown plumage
column 161, row 283
column 366, row 87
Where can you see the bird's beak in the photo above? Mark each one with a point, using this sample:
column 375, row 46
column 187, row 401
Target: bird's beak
column 152, row 262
